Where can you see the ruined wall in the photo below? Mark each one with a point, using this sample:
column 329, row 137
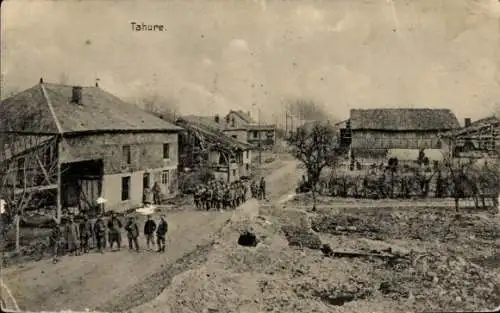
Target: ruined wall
column 146, row 151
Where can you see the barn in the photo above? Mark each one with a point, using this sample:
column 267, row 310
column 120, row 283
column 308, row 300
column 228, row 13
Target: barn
column 72, row 145
column 374, row 135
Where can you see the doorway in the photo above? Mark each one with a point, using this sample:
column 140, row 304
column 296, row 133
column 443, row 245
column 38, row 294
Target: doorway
column 146, row 181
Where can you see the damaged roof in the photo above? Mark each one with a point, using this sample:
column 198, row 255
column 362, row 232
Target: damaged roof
column 211, row 132
column 403, row 119
column 47, row 109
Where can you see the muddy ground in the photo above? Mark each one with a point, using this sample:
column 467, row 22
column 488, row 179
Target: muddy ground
column 384, row 259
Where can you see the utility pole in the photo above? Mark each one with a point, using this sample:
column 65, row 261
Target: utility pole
column 260, row 138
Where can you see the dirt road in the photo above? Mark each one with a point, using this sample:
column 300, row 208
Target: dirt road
column 115, row 281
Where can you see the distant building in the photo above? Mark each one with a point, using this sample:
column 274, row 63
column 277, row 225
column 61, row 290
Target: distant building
column 374, row 135
column 476, row 139
column 242, row 126
column 85, row 143
column 204, row 144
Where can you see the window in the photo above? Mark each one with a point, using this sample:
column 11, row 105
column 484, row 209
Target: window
column 247, row 166
column 126, row 154
column 234, row 173
column 125, row 188
column 235, row 136
column 233, row 123
column 255, row 134
column 165, row 177
column 247, row 154
column 166, row 151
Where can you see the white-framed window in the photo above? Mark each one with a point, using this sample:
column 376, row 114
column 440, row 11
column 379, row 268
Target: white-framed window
column 165, row 177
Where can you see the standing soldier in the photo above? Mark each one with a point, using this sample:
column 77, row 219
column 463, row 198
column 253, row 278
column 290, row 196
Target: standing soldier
column 149, row 230
column 232, row 197
column 161, row 233
column 253, row 189
column 85, row 233
column 157, row 193
column 196, row 196
column 100, row 234
column 55, row 240
column 208, row 197
column 262, row 190
column 72, row 236
column 132, row 233
column 114, row 226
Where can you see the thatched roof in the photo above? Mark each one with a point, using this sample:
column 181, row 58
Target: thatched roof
column 403, row 119
column 211, row 133
column 47, row 109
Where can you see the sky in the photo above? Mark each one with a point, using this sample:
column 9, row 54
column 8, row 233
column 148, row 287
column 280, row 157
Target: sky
column 218, row 55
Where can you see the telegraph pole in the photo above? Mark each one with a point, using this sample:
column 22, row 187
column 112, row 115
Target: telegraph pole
column 260, row 138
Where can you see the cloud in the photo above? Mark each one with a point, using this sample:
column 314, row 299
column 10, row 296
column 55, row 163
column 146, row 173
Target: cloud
column 343, row 54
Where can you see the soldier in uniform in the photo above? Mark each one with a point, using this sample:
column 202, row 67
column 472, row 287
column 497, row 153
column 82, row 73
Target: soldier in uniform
column 72, row 236
column 208, row 197
column 132, row 233
column 196, row 195
column 85, row 233
column 262, row 189
column 114, row 226
column 55, row 240
column 161, row 233
column 100, row 234
column 253, row 189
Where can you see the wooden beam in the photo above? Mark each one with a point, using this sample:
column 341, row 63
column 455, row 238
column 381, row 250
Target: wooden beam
column 47, row 177
column 18, row 191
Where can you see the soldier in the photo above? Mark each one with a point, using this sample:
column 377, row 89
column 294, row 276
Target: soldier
column 149, row 230
column 208, row 197
column 197, row 197
column 72, row 236
column 132, row 233
column 85, row 233
column 114, row 226
column 55, row 240
column 262, row 189
column 100, row 234
column 156, row 193
column 161, row 233
column 219, row 197
column 253, row 189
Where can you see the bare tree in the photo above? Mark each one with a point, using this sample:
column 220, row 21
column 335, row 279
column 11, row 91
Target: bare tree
column 308, row 110
column 164, row 107
column 316, row 147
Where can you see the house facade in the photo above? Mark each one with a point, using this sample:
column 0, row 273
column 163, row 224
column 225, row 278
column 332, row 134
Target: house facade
column 100, row 146
column 374, row 135
column 240, row 125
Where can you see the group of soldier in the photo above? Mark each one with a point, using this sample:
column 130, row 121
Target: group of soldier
column 79, row 237
column 221, row 195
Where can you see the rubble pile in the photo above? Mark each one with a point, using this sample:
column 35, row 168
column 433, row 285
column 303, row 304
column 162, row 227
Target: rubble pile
column 301, row 237
column 437, row 281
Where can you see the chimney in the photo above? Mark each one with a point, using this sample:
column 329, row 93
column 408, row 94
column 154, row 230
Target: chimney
column 217, row 119
column 77, row 95
column 467, row 122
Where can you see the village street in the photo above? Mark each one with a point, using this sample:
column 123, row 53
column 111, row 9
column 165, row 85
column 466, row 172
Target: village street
column 115, row 281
